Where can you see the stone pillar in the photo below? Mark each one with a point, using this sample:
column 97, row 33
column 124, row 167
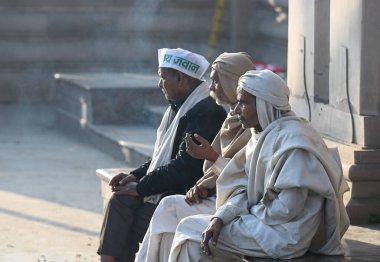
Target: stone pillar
column 343, row 101
column 308, row 54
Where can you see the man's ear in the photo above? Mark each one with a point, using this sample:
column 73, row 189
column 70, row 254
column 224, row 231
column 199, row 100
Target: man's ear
column 180, row 77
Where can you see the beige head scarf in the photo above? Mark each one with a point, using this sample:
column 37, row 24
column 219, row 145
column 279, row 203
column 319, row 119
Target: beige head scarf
column 231, row 66
column 231, row 137
column 272, row 94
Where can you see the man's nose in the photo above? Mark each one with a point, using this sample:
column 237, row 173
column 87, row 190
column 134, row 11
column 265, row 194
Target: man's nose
column 212, row 87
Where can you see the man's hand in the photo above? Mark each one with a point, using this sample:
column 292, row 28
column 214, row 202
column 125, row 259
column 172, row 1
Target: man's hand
column 128, row 189
column 202, row 151
column 196, row 194
column 128, row 179
column 122, row 179
column 211, row 232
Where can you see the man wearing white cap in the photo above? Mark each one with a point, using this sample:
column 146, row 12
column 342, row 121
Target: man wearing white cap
column 200, row 199
column 280, row 196
column 171, row 170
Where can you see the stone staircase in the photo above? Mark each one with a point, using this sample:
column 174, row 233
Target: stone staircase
column 41, row 37
column 118, row 113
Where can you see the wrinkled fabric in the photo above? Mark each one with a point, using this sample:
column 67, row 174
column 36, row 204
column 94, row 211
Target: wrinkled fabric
column 281, row 195
column 230, row 66
column 273, row 148
column 163, row 224
column 230, row 139
column 261, row 215
column 165, row 136
column 271, row 101
column 268, row 86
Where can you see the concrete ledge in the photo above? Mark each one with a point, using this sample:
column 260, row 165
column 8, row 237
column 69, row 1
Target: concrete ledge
column 108, row 98
column 105, row 176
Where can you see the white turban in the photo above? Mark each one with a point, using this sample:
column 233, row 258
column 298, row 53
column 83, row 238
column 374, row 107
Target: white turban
column 271, row 92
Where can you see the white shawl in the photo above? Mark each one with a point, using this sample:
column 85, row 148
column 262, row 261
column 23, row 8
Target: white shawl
column 165, row 135
column 275, row 142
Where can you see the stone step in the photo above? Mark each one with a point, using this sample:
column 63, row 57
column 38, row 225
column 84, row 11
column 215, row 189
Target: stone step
column 102, row 23
column 107, row 98
column 133, row 144
column 108, row 110
column 96, row 4
column 95, row 32
column 39, row 36
column 74, row 50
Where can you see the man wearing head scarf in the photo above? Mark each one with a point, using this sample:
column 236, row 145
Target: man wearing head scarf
column 200, row 199
column 171, row 170
column 279, row 197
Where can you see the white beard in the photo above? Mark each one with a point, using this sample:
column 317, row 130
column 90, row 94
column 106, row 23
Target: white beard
column 217, row 100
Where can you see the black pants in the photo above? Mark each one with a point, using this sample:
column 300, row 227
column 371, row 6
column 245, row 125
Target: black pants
column 125, row 223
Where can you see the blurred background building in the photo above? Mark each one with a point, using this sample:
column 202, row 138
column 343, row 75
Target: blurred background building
column 41, row 37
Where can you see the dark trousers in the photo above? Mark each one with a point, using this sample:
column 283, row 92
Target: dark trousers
column 125, row 223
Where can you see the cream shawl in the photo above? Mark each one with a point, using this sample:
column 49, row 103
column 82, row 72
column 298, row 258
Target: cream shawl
column 231, row 137
column 263, row 179
column 231, row 66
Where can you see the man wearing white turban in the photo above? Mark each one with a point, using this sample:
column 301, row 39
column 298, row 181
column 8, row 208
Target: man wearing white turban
column 200, row 199
column 280, row 196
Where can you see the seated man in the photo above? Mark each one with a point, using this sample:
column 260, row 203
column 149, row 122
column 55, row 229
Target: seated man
column 171, row 169
column 226, row 70
column 279, row 197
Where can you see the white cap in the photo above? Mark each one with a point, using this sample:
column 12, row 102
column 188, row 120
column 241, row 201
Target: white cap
column 182, row 60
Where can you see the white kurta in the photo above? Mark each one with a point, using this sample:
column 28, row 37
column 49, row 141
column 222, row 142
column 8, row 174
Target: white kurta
column 292, row 186
column 164, row 222
column 158, row 239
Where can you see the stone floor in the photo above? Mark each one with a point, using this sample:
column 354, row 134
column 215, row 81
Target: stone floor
column 361, row 243
column 50, row 208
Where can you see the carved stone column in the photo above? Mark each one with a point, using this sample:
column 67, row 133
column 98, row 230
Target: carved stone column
column 334, row 77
